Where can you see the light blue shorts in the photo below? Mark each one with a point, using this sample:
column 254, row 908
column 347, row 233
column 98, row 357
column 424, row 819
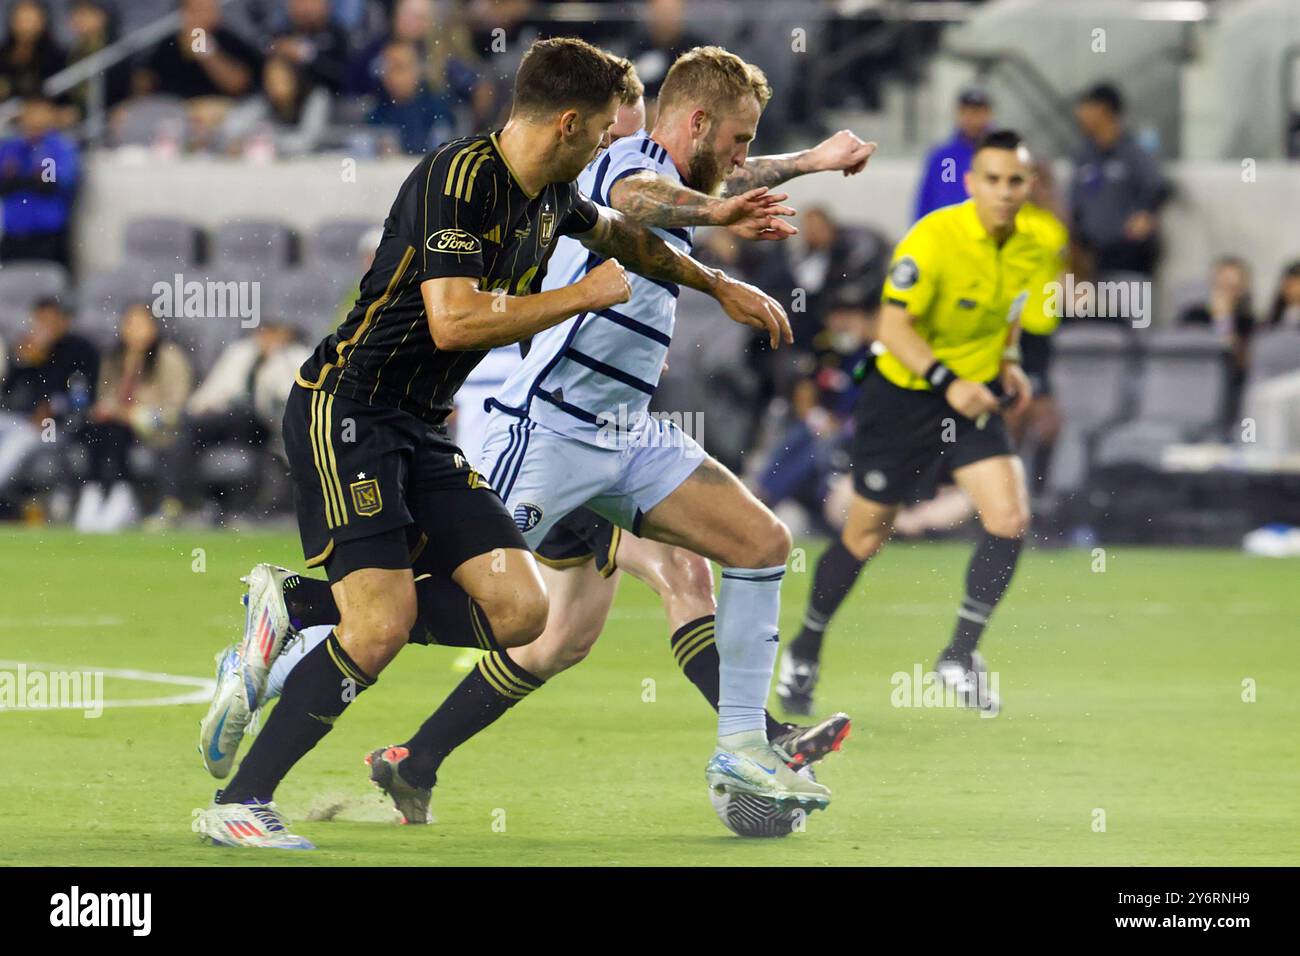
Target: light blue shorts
column 542, row 475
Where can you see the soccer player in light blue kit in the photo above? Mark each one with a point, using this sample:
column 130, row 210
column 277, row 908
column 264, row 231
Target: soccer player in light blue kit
column 570, row 428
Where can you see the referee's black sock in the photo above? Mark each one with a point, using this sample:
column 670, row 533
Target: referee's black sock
column 316, row 692
column 837, row 570
column 696, row 654
column 495, row 685
column 445, row 614
column 987, row 577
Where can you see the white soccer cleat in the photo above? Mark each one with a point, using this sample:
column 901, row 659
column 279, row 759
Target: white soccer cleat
column 223, row 727
column 759, row 770
column 266, row 626
column 971, row 686
column 249, row 825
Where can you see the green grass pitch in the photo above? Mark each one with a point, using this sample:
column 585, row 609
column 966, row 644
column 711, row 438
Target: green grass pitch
column 1123, row 695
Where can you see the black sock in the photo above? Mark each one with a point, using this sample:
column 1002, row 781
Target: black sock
column 696, row 654
column 309, row 601
column 836, row 572
column 316, row 692
column 495, row 685
column 987, row 577
column 442, row 604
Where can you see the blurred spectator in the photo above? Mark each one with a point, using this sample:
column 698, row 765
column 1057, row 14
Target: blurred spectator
column 203, row 58
column 1117, row 192
column 52, row 377
column 661, row 38
column 94, row 26
column 144, row 382
column 241, row 401
column 29, row 55
column 821, row 410
column 444, row 54
column 314, row 42
column 420, row 118
column 942, row 181
column 1229, row 312
column 40, row 170
column 289, row 115
column 1286, row 303
column 833, row 263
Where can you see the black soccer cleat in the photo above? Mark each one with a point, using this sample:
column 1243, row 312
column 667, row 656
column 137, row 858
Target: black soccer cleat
column 411, row 802
column 803, row 746
column 795, row 683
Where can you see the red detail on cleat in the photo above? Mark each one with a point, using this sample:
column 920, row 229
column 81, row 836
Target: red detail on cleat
column 396, row 754
column 841, row 737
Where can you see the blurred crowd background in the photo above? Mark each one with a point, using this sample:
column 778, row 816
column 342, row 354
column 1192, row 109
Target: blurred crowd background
column 1166, row 140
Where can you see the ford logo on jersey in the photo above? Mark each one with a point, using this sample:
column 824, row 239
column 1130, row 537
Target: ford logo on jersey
column 456, row 241
column 527, row 516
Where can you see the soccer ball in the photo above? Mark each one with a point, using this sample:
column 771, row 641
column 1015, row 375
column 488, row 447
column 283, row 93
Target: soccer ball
column 748, row 815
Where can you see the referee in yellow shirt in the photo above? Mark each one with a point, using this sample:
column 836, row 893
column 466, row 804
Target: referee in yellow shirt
column 931, row 408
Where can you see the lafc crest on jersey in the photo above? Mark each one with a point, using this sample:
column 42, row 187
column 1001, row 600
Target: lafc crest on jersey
column 546, row 225
column 366, row 500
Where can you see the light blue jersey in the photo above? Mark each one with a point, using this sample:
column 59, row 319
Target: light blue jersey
column 592, row 377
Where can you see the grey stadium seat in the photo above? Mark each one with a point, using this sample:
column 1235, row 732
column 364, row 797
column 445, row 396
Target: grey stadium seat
column 252, row 245
column 1092, row 377
column 1181, row 391
column 162, row 239
column 137, row 121
column 335, row 243
column 21, row 284
column 1092, row 372
column 103, row 296
column 309, row 299
column 1274, row 352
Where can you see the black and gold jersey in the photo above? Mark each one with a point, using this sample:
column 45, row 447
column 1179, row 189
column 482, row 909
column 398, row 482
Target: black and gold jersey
column 461, row 212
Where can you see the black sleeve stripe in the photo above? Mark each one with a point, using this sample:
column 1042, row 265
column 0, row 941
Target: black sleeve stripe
column 892, row 301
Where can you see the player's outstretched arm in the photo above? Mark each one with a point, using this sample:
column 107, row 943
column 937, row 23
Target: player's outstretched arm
column 654, row 200
column 640, row 250
column 462, row 317
column 844, row 151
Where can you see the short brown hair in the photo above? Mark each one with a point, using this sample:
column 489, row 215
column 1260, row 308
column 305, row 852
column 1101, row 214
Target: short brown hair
column 714, row 76
column 565, row 72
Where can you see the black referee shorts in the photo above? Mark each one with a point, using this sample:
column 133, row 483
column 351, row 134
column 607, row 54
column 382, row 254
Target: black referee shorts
column 378, row 487
column 907, row 442
column 578, row 537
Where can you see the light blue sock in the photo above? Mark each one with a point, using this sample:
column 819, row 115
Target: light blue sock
column 289, row 658
column 749, row 609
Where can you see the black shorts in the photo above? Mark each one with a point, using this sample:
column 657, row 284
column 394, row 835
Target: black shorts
column 907, row 442
column 577, row 538
column 361, row 471
column 1036, row 360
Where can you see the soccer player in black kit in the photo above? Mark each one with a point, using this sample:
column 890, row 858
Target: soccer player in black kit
column 378, row 485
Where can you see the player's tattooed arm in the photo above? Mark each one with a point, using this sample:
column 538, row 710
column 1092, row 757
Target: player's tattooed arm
column 844, row 151
column 616, row 237
column 655, row 200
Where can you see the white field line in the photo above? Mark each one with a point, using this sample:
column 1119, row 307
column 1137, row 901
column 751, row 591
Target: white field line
column 200, row 694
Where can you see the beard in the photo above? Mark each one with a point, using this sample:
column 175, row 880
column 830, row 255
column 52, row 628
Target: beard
column 705, row 172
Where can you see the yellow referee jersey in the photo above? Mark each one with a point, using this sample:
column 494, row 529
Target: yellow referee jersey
column 964, row 289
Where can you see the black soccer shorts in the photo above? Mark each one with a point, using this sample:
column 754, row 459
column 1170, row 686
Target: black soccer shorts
column 907, row 442
column 361, row 470
column 578, row 537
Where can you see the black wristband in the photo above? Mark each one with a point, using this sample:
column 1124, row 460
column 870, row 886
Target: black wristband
column 939, row 377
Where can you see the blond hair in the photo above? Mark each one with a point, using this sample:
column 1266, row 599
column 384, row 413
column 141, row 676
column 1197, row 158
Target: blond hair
column 714, row 78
